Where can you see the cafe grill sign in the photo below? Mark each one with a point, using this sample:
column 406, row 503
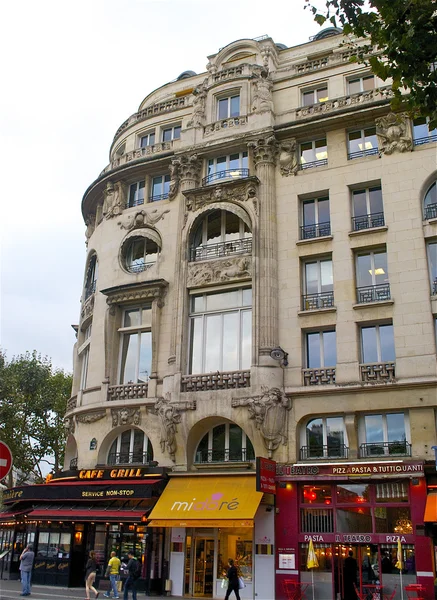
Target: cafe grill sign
column 376, row 470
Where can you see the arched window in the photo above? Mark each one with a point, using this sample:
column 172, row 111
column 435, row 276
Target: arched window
column 225, row 443
column 91, row 277
column 140, row 254
column 130, row 447
column 220, row 233
column 430, row 202
column 325, row 438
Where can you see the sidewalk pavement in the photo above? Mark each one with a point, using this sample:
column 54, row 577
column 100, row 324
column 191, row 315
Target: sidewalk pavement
column 11, row 590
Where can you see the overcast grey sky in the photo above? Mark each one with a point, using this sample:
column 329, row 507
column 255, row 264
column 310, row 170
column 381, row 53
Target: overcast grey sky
column 72, row 72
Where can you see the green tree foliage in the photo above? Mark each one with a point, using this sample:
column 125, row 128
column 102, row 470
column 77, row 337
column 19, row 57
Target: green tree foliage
column 33, row 401
column 403, row 45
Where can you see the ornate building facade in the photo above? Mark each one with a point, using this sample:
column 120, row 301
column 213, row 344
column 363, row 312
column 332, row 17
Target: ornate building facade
column 261, row 280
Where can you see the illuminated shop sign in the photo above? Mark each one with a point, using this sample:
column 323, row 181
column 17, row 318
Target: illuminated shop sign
column 375, row 470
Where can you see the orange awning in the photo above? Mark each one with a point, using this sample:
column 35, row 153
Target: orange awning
column 431, row 509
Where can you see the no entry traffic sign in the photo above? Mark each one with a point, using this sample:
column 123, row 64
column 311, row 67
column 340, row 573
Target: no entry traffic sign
column 5, row 460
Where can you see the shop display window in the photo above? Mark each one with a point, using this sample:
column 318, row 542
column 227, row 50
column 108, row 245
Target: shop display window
column 236, row 544
column 391, row 492
column 389, row 559
column 393, row 519
column 323, row 553
column 356, row 493
column 316, row 520
column 316, row 494
column 354, row 520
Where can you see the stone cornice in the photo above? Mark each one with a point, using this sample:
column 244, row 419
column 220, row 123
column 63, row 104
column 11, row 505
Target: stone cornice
column 134, row 292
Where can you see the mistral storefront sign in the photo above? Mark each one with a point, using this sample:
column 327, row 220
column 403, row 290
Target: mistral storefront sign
column 215, row 502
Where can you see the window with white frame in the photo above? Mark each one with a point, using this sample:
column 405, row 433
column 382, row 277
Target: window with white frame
column 91, row 276
column 325, row 437
column 313, row 154
column 318, row 284
column 422, row 134
column 430, row 202
column 232, row 166
column 160, row 188
column 147, row 139
column 362, row 142
column 221, row 331
column 315, row 95
column 130, row 447
column 220, row 233
column 315, row 218
column 385, row 434
column 140, row 254
column 432, row 266
column 84, row 358
column 224, row 443
column 136, row 194
column 372, row 276
column 136, row 345
column 377, row 344
column 321, row 349
column 228, row 106
column 364, row 83
column 171, row 133
column 367, row 208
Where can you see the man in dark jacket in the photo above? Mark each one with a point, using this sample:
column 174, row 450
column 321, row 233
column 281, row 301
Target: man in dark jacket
column 233, row 583
column 133, row 570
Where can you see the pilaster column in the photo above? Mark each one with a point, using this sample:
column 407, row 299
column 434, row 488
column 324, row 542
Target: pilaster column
column 264, row 152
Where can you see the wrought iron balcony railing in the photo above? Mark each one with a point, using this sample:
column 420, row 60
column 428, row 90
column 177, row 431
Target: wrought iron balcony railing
column 398, row 448
column 158, row 197
column 137, row 202
column 225, row 175
column 320, row 376
column 308, row 232
column 90, row 289
column 312, row 164
column 216, row 381
column 73, row 464
column 139, row 268
column 127, row 391
column 329, row 451
column 214, row 456
column 377, row 372
column 373, row 293
column 361, row 153
column 425, row 140
column 368, row 221
column 212, row 251
column 434, row 287
column 129, row 458
column 431, row 211
column 317, row 301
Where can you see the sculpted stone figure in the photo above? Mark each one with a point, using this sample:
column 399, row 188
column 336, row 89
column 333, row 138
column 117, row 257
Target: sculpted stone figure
column 216, row 271
column 170, row 416
column 112, row 203
column 263, row 84
column 126, row 416
column 90, row 223
column 69, row 426
column 393, row 133
column 199, row 104
column 269, row 411
column 175, row 179
column 143, row 218
column 288, row 162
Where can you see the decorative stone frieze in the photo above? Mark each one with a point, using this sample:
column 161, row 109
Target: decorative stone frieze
column 69, row 426
column 138, row 292
column 288, row 161
column 225, row 124
column 270, row 413
column 264, row 150
column 212, row 272
column 394, row 133
column 352, row 100
column 138, row 154
column 170, row 416
column 125, row 416
column 142, row 219
column 113, row 203
column 236, row 190
column 91, row 417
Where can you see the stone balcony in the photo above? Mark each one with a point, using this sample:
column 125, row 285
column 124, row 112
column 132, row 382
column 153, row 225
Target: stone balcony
column 215, row 381
column 127, row 391
column 377, row 372
column 138, row 154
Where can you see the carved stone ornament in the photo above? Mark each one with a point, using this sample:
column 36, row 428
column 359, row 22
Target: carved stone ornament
column 200, row 94
column 125, row 416
column 87, row 308
column 263, row 85
column 90, row 223
column 288, row 161
column 69, row 426
column 270, row 413
column 147, row 291
column 189, row 166
column 112, row 205
column 264, row 149
column 143, row 218
column 219, row 271
column 174, row 179
column 170, row 416
column 394, row 133
column 91, row 417
column 236, row 190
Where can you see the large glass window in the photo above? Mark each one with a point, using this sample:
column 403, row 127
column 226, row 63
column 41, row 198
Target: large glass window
column 136, row 345
column 367, row 208
column 372, row 277
column 220, row 233
column 147, row 140
column 432, row 264
column 225, row 443
column 422, row 134
column 171, row 133
column 318, row 284
column 221, row 331
column 377, row 344
column 362, row 143
column 84, row 358
column 136, row 194
column 232, row 166
column 238, row 544
column 325, row 437
column 141, row 253
column 319, row 94
column 354, row 519
column 348, row 493
column 160, row 188
column 430, row 202
column 315, row 218
column 321, row 349
column 385, row 434
column 228, row 107
column 361, row 84
column 131, row 446
column 313, row 154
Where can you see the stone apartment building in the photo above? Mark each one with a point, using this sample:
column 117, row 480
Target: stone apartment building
column 261, row 280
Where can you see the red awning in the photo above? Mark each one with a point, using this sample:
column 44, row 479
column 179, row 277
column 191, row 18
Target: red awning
column 92, row 514
column 10, row 515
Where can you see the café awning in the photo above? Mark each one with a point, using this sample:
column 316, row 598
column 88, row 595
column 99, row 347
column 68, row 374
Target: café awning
column 431, row 509
column 207, row 501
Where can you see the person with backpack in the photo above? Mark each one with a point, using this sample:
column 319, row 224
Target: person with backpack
column 91, row 569
column 134, row 573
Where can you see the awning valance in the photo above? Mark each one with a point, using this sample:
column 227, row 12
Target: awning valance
column 431, row 509
column 74, row 513
column 209, row 501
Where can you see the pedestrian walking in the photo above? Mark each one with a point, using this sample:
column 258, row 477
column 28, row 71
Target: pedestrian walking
column 113, row 572
column 233, row 583
column 26, row 563
column 90, row 575
column 134, row 572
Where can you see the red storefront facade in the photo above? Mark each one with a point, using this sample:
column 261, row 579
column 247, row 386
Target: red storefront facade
column 358, row 508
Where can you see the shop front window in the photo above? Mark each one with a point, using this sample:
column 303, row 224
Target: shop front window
column 393, row 519
column 354, row 519
column 355, row 492
column 236, row 543
column 316, row 494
